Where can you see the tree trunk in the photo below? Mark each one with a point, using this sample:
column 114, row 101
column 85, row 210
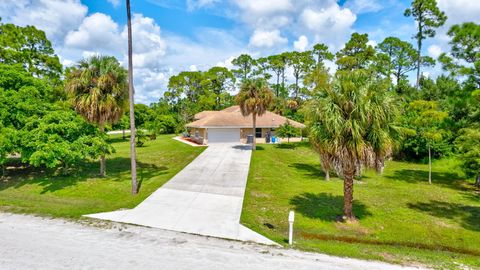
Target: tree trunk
column 348, row 195
column 429, row 164
column 133, row 155
column 123, row 134
column 398, row 76
column 379, row 165
column 65, row 168
column 324, row 161
column 419, row 51
column 278, row 84
column 477, row 183
column 358, row 169
column 296, row 87
column 254, row 116
column 102, row 156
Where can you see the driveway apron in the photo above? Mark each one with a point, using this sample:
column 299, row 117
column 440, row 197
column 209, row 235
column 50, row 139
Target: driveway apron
column 205, row 198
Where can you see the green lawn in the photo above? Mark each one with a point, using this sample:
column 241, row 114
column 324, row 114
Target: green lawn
column 83, row 192
column 402, row 219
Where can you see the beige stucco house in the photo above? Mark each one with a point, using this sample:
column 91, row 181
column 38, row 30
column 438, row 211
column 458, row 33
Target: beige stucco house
column 229, row 125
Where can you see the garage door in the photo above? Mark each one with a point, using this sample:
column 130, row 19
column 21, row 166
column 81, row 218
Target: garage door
column 223, row 135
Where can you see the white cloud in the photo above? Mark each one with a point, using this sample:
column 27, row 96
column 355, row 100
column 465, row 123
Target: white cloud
column 460, row 10
column 457, row 11
column 319, row 20
column 67, row 63
column 267, row 39
column 196, row 4
column 331, row 25
column 148, row 45
column 88, row 54
column 114, row 3
column 434, row 51
column 97, row 31
column 193, row 68
column 372, row 43
column 211, row 46
column 265, row 6
column 56, row 18
column 265, row 14
column 149, row 85
column 301, row 44
column 363, row 6
column 226, row 63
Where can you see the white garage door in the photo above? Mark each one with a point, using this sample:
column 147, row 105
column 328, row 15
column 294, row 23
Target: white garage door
column 223, row 135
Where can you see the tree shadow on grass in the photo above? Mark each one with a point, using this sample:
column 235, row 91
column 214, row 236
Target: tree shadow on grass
column 286, row 146
column 469, row 216
column 309, row 169
column 325, row 206
column 119, row 139
column 446, row 179
column 118, row 169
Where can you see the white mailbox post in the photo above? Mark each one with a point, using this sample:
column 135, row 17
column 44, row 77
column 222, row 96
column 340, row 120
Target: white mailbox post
column 291, row 218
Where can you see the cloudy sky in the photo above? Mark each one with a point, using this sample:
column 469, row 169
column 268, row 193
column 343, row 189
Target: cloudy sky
column 174, row 35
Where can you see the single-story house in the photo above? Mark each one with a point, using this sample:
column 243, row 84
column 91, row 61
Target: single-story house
column 229, row 125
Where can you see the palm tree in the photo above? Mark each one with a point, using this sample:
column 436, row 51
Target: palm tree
column 349, row 122
column 382, row 133
column 326, row 159
column 254, row 98
column 97, row 88
column 133, row 154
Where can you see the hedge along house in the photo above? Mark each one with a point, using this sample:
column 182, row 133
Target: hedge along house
column 230, row 126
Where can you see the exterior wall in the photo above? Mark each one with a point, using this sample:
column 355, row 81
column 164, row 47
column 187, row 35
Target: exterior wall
column 243, row 134
column 246, row 131
column 202, row 137
column 199, row 135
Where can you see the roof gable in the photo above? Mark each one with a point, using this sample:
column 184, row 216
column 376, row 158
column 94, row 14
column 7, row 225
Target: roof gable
column 232, row 117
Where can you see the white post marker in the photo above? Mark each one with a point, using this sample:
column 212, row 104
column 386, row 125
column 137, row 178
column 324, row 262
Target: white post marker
column 291, row 218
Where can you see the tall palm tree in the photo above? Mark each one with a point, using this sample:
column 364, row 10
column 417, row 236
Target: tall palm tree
column 131, row 92
column 350, row 122
column 97, row 88
column 254, row 98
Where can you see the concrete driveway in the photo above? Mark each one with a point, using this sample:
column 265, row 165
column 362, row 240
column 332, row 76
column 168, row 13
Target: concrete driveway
column 205, row 198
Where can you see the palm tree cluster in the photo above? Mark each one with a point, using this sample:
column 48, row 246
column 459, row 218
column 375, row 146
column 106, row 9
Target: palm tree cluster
column 351, row 126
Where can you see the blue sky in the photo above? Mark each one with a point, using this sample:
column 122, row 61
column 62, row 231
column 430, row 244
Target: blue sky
column 175, row 35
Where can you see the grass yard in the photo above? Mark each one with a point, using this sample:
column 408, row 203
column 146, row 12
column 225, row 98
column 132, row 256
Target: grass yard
column 402, row 219
column 83, row 192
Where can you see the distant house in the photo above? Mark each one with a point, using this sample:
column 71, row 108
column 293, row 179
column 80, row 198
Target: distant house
column 229, row 125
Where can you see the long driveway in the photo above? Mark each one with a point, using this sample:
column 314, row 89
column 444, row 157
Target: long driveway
column 205, row 198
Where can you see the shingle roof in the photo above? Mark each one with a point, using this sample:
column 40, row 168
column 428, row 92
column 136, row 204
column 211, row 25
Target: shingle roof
column 232, row 117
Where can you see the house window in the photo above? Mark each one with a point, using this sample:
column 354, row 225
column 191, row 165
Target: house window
column 258, row 133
